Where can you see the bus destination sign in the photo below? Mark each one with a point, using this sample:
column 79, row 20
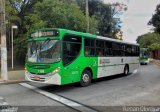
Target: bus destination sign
column 44, row 33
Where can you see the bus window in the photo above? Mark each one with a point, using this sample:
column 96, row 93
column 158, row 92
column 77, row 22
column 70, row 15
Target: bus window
column 87, row 51
column 134, row 51
column 123, row 47
column 99, row 43
column 116, row 49
column 71, row 48
column 137, row 51
column 99, row 48
column 129, row 50
column 89, row 47
column 108, row 48
column 100, row 53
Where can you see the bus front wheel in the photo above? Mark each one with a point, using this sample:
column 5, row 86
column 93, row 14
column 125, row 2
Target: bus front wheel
column 126, row 70
column 85, row 78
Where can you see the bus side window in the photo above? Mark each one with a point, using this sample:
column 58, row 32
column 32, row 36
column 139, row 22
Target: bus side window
column 100, row 53
column 108, row 48
column 87, row 51
column 89, row 47
column 99, row 47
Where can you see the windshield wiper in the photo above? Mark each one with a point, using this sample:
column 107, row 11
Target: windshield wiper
column 45, row 43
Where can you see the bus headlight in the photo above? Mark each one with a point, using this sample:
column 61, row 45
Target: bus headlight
column 55, row 71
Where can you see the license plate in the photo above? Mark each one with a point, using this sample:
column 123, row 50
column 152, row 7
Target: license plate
column 36, row 78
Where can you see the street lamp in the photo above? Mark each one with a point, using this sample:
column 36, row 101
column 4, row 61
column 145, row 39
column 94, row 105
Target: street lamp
column 13, row 27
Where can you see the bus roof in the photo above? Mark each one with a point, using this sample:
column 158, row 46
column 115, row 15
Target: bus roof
column 98, row 37
column 88, row 35
column 116, row 40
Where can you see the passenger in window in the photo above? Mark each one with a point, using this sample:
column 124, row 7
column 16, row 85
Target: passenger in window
column 76, row 53
column 107, row 52
column 100, row 53
column 87, row 51
column 72, row 53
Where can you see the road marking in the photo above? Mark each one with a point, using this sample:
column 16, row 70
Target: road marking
column 3, row 102
column 60, row 99
column 5, row 107
column 134, row 72
column 1, row 98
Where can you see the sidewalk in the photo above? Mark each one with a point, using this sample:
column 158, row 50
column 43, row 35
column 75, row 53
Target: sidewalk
column 14, row 76
column 157, row 62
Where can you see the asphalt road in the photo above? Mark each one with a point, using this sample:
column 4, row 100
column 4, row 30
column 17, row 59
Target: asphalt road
column 141, row 88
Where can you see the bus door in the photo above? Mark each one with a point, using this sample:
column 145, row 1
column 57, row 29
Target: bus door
column 71, row 51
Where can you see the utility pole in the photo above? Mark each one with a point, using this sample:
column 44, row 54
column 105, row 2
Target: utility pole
column 3, row 42
column 87, row 16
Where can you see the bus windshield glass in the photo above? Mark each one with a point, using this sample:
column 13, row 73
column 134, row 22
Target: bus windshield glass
column 144, row 53
column 44, row 51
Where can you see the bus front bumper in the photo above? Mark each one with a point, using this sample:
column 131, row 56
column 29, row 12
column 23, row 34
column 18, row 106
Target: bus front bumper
column 144, row 62
column 47, row 79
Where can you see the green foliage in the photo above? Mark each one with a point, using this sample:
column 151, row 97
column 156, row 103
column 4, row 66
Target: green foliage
column 17, row 13
column 152, row 40
column 105, row 20
column 154, row 46
column 155, row 21
column 11, row 15
column 102, row 13
column 30, row 15
column 22, row 8
column 149, row 40
column 61, row 15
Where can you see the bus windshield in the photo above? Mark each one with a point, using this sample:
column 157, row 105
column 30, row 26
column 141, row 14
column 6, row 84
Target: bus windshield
column 144, row 53
column 44, row 51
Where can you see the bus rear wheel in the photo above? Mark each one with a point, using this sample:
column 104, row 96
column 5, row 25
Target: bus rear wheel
column 86, row 78
column 126, row 70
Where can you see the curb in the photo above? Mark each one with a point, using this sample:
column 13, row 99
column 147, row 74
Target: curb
column 12, row 81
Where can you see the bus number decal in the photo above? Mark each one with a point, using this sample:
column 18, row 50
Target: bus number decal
column 104, row 61
column 41, row 71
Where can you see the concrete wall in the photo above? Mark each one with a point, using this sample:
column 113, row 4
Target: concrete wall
column 16, row 75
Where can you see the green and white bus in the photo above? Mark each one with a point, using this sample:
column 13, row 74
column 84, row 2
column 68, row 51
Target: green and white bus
column 144, row 56
column 60, row 56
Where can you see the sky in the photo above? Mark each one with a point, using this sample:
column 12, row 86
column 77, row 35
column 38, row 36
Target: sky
column 135, row 19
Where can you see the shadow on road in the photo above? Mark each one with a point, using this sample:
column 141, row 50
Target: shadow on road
column 68, row 87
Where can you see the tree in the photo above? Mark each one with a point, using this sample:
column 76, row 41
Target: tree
column 102, row 13
column 154, row 46
column 17, row 13
column 149, row 40
column 47, row 14
column 62, row 15
column 152, row 40
column 155, row 21
column 10, row 14
column 22, row 8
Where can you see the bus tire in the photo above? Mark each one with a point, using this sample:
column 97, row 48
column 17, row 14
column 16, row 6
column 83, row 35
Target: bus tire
column 126, row 70
column 86, row 78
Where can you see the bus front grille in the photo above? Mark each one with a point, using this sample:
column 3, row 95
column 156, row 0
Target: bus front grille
column 39, row 66
column 41, row 79
column 38, row 73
